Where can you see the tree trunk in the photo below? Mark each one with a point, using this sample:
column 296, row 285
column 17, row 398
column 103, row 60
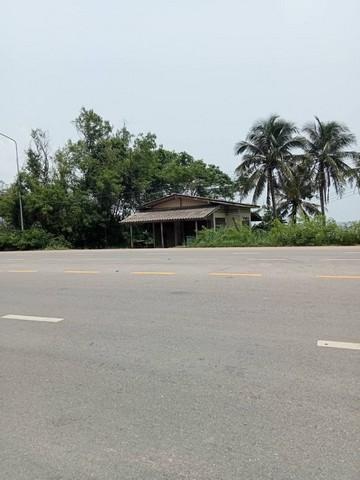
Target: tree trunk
column 322, row 201
column 268, row 202
column 272, row 192
column 322, row 190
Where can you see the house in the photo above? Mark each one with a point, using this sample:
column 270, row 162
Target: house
column 176, row 218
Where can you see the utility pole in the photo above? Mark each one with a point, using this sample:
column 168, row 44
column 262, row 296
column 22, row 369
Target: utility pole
column 19, row 179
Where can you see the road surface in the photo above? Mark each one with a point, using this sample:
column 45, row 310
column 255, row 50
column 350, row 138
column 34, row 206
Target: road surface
column 196, row 364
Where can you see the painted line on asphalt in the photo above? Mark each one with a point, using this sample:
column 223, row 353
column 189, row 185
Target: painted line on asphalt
column 339, row 277
column 13, row 259
column 331, row 344
column 22, row 271
column 32, row 318
column 82, row 272
column 154, row 273
column 231, row 274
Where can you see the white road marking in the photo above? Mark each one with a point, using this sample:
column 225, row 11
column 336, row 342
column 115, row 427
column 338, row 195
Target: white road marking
column 331, row 344
column 32, row 318
column 13, row 259
column 22, row 271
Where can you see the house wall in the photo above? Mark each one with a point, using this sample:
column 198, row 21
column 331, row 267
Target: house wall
column 238, row 215
column 178, row 203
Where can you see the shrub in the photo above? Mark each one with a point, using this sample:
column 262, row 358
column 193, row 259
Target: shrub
column 32, row 239
column 305, row 233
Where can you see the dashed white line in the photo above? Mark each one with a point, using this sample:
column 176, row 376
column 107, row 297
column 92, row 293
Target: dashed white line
column 22, row 271
column 32, row 318
column 331, row 344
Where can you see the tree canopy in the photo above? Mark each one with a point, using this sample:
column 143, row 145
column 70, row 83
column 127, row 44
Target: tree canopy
column 80, row 192
column 296, row 170
column 84, row 189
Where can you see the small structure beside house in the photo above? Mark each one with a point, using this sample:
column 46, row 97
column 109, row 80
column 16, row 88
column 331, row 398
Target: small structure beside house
column 175, row 219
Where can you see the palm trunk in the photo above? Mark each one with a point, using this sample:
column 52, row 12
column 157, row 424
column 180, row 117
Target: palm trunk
column 268, row 202
column 322, row 201
column 272, row 192
column 322, row 190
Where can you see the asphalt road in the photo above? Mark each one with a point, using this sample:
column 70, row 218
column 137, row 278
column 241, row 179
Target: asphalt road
column 180, row 364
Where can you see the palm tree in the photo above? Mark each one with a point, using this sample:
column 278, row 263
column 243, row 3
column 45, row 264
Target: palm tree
column 326, row 145
column 266, row 153
column 295, row 194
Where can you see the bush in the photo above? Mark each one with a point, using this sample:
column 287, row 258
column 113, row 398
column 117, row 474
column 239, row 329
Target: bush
column 305, row 233
column 32, row 239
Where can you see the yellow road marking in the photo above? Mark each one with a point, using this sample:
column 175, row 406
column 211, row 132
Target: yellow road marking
column 22, row 271
column 85, row 272
column 340, row 277
column 153, row 273
column 229, row 274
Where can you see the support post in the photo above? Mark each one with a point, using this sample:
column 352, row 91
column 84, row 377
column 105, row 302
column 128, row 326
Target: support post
column 131, row 236
column 154, row 240
column 175, row 234
column 214, row 223
column 162, row 235
column 196, row 228
column 19, row 179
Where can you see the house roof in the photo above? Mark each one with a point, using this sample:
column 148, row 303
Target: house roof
column 211, row 201
column 154, row 216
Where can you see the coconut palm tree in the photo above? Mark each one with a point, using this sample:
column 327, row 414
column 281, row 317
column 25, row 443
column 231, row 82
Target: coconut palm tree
column 326, row 146
column 295, row 193
column 266, row 153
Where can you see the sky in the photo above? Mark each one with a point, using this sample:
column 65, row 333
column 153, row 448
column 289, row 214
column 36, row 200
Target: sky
column 197, row 73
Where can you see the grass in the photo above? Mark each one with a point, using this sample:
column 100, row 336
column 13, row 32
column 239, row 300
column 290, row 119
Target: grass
column 305, row 233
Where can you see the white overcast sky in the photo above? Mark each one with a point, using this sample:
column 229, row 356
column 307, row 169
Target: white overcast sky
column 197, row 73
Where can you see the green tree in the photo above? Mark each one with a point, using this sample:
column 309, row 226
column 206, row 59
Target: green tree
column 266, row 154
column 295, row 193
column 39, row 160
column 82, row 190
column 326, row 145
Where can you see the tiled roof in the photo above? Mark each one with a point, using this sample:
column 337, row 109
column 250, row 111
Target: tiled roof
column 170, row 215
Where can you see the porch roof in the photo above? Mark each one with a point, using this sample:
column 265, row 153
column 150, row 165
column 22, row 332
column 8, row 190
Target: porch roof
column 155, row 216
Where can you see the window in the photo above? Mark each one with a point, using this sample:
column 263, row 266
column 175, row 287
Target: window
column 246, row 221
